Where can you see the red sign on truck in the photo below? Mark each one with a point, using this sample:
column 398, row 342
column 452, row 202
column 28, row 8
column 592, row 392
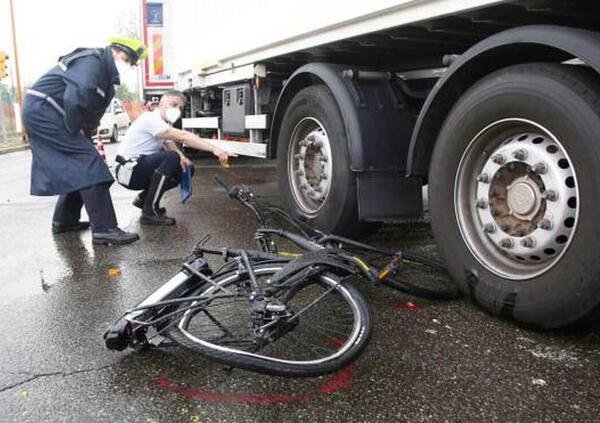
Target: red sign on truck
column 156, row 75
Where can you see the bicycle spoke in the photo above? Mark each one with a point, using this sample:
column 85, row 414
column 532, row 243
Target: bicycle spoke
column 313, row 347
column 334, row 331
column 223, row 328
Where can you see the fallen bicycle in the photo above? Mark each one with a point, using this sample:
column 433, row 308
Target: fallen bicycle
column 269, row 311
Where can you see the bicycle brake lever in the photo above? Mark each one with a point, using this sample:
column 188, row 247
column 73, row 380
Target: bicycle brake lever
column 197, row 250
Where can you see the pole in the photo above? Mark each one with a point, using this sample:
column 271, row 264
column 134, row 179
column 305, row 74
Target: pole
column 3, row 125
column 140, row 71
column 17, row 73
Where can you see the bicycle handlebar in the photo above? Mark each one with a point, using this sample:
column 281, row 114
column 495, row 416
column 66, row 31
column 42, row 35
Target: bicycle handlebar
column 222, row 182
column 232, row 191
column 299, row 240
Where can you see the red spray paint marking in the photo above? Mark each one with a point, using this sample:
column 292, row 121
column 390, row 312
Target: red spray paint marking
column 341, row 380
column 240, row 398
column 335, row 342
column 408, row 305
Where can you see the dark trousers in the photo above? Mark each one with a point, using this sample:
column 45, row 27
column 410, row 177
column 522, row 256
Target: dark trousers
column 98, row 205
column 165, row 162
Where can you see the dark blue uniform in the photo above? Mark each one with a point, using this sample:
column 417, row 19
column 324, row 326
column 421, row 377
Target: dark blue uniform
column 65, row 162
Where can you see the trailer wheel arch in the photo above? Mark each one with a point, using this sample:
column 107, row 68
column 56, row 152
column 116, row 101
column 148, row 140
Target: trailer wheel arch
column 329, row 75
column 532, row 43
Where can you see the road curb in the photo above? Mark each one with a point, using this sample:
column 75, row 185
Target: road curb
column 13, row 149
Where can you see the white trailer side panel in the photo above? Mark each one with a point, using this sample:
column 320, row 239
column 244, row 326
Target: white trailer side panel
column 229, row 33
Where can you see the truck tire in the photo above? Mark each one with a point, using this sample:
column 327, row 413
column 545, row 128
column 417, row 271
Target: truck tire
column 315, row 181
column 514, row 187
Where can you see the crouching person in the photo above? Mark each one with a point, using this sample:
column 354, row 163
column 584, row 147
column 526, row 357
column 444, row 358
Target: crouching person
column 150, row 159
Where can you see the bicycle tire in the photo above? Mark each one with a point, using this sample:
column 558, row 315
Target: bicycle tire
column 273, row 366
column 446, row 293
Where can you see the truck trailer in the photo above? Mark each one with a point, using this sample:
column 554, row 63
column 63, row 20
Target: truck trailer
column 493, row 105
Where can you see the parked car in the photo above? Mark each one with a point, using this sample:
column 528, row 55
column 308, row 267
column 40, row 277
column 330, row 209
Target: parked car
column 114, row 120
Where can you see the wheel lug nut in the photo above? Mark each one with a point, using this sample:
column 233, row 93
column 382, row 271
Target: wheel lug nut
column 484, row 177
column 481, row 203
column 498, row 159
column 299, row 173
column 550, row 195
column 540, row 168
column 528, row 242
column 506, row 243
column 490, row 228
column 545, row 224
column 519, row 154
column 324, row 158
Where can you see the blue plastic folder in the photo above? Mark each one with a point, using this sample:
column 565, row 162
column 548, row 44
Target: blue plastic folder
column 186, row 184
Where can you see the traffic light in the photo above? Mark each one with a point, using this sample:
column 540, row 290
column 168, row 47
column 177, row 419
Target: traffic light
column 3, row 66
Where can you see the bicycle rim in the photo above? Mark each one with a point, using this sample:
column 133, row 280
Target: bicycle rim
column 330, row 322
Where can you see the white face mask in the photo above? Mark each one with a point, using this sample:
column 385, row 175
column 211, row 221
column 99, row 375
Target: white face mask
column 123, row 68
column 172, row 114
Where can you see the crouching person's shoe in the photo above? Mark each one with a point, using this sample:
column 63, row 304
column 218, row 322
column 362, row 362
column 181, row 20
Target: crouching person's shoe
column 156, row 219
column 58, row 227
column 115, row 235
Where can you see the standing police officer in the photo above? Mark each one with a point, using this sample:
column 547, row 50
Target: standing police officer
column 60, row 113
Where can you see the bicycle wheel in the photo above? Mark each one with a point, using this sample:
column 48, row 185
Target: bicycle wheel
column 319, row 326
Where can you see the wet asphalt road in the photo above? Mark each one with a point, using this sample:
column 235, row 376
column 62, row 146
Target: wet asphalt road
column 435, row 362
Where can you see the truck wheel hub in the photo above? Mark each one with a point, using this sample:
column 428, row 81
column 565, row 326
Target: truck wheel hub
column 517, row 211
column 516, row 200
column 309, row 165
column 523, row 199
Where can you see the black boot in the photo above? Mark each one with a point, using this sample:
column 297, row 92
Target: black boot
column 114, row 236
column 139, row 202
column 58, row 227
column 150, row 212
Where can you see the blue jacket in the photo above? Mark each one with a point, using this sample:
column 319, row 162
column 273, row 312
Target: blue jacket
column 64, row 160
